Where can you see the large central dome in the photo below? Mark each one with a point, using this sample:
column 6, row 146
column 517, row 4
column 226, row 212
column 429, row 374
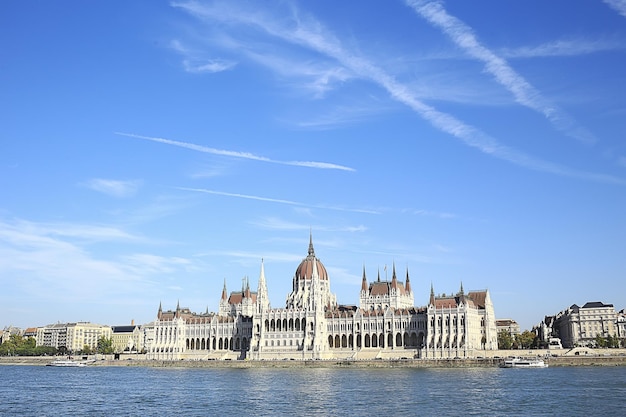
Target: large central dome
column 305, row 269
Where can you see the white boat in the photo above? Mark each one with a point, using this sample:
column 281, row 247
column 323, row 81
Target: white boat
column 523, row 363
column 67, row 363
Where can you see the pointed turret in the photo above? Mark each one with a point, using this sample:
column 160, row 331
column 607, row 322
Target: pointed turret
column 394, row 280
column 364, row 281
column 177, row 308
column 461, row 292
column 224, row 294
column 262, row 296
column 247, row 293
column 378, row 275
column 160, row 313
column 407, row 285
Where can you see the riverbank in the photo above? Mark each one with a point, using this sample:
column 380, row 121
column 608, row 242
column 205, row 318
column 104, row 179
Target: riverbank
column 591, row 360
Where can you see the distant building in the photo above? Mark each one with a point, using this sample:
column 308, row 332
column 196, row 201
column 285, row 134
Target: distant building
column 579, row 326
column 7, row 332
column 30, row 332
column 72, row 336
column 312, row 325
column 508, row 325
column 129, row 339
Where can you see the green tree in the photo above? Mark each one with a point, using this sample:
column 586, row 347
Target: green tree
column 105, row 345
column 600, row 341
column 525, row 340
column 505, row 340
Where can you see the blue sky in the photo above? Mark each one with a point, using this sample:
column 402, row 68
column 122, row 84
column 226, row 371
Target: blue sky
column 150, row 150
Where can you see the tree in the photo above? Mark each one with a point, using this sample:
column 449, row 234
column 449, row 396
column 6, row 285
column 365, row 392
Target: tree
column 505, row 340
column 105, row 346
column 525, row 340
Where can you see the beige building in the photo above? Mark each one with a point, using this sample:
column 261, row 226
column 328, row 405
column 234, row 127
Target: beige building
column 72, row 336
column 128, row 339
column 312, row 325
column 508, row 325
column 579, row 326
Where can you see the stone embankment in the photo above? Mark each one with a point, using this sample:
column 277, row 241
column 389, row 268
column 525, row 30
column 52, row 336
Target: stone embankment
column 587, row 360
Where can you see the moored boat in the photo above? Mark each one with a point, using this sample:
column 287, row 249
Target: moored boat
column 523, row 363
column 67, row 363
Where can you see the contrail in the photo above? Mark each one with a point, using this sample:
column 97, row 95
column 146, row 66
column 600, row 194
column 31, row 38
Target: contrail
column 236, row 154
column 525, row 94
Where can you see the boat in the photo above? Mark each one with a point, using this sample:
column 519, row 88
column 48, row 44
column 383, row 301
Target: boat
column 523, row 363
column 68, row 363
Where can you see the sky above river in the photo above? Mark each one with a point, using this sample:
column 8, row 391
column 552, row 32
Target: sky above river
column 152, row 151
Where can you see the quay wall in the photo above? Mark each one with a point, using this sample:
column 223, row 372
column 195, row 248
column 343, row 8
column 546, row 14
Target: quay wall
column 138, row 360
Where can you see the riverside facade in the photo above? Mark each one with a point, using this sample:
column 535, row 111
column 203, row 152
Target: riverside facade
column 386, row 324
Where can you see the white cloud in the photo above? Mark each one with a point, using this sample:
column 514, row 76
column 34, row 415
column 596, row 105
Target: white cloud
column 194, row 62
column 114, row 188
column 279, row 201
column 563, row 47
column 524, row 93
column 618, row 5
column 209, row 66
column 306, row 32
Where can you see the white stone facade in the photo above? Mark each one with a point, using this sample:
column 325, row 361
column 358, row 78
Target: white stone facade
column 312, row 325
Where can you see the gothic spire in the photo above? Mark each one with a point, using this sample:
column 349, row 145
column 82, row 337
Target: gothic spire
column 224, row 297
column 407, row 285
column 364, row 281
column 394, row 280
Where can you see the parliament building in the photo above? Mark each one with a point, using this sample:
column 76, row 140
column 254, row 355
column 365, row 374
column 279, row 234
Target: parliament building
column 312, row 325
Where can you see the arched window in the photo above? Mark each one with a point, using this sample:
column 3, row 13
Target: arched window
column 367, row 340
column 337, row 341
column 398, row 339
column 374, row 340
column 285, row 325
column 350, row 341
column 221, row 344
column 381, row 340
column 272, row 325
column 358, row 341
column 330, row 341
column 187, row 344
column 291, row 325
column 298, row 325
column 267, row 325
column 344, row 341
column 198, row 343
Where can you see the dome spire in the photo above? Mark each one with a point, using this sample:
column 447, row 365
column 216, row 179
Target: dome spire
column 311, row 250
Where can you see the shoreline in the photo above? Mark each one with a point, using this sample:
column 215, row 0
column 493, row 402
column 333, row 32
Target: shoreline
column 560, row 361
